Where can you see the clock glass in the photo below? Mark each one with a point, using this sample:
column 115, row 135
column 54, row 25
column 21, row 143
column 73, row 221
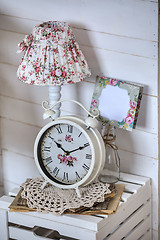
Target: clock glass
column 65, row 153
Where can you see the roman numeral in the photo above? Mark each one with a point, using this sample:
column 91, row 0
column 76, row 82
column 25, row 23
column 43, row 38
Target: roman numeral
column 50, row 137
column 85, row 166
column 65, row 176
column 56, row 171
column 86, row 144
column 88, row 156
column 47, row 149
column 70, row 128
column 77, row 176
column 48, row 160
column 80, row 134
column 59, row 130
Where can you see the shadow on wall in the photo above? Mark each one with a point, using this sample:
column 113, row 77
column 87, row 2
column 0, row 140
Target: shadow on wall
column 83, row 91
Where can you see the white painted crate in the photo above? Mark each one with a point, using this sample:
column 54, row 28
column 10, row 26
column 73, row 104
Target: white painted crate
column 132, row 221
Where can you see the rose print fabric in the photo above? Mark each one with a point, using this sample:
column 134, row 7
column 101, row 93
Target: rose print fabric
column 51, row 56
column 134, row 90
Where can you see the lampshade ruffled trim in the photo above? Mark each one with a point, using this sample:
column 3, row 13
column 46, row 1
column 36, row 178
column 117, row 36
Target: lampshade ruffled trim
column 52, row 56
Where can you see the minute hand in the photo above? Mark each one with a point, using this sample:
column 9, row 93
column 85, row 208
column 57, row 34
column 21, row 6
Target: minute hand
column 80, row 148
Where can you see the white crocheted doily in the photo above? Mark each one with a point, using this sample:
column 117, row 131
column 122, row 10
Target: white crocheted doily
column 56, row 200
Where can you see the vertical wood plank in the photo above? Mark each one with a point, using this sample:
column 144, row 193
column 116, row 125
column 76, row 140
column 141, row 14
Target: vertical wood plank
column 3, row 225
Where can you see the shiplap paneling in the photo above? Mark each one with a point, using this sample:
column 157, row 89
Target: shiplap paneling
column 28, row 113
column 118, row 38
column 136, row 142
column 141, row 165
column 126, row 19
column 110, row 42
column 19, row 162
column 8, row 186
column 32, row 113
column 132, row 46
column 108, row 63
column 123, row 67
column 14, row 88
column 18, row 137
column 148, row 115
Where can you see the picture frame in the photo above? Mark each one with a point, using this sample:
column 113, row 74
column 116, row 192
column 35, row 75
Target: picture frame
column 129, row 92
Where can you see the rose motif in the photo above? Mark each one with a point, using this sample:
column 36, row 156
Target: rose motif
column 38, row 69
column 23, row 67
column 94, row 103
column 132, row 112
column 64, row 74
column 133, row 104
column 68, row 160
column 53, row 73
column 68, row 138
column 58, row 72
column 113, row 82
column 129, row 119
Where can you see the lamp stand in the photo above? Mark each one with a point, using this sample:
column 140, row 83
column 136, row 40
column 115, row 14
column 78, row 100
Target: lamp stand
column 54, row 96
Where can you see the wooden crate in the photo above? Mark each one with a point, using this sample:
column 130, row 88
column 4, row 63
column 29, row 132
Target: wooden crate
column 132, row 221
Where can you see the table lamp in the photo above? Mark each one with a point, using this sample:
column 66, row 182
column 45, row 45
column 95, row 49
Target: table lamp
column 52, row 57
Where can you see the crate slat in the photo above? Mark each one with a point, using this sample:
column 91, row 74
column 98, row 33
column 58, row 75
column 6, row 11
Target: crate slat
column 146, row 236
column 78, row 220
column 134, row 208
column 64, row 228
column 19, row 234
column 133, row 178
column 125, row 210
column 125, row 196
column 130, row 187
column 95, row 223
column 85, row 222
column 13, row 192
column 131, row 222
column 141, row 229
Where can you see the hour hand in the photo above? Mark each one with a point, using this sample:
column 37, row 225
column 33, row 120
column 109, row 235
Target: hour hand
column 59, row 145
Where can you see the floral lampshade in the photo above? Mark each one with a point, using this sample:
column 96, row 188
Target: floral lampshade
column 52, row 56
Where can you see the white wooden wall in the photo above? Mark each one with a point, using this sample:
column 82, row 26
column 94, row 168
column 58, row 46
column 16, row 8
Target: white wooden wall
column 119, row 39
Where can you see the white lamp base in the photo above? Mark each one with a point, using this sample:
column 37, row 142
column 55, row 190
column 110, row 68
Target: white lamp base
column 54, row 96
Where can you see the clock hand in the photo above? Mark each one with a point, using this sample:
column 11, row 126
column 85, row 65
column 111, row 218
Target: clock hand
column 59, row 146
column 80, row 148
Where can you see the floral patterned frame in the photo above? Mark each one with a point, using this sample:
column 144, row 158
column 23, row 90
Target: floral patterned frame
column 134, row 91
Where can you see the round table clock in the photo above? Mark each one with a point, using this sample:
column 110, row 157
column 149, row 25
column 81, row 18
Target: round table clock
column 69, row 151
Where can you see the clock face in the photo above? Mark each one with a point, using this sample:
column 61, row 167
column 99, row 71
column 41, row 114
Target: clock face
column 65, row 153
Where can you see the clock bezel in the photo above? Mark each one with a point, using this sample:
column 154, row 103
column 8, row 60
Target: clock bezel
column 78, row 123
